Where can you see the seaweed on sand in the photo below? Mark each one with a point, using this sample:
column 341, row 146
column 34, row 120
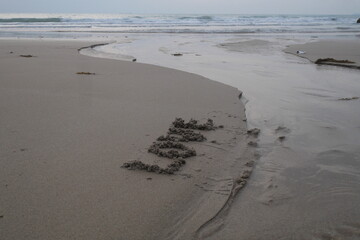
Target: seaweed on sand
column 332, row 60
column 85, row 73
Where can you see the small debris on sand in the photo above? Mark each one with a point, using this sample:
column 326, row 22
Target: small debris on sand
column 149, row 178
column 254, row 132
column 11, row 52
column 177, row 54
column 331, row 60
column 252, row 144
column 243, row 178
column 281, row 138
column 246, row 174
column 300, row 52
column 249, row 164
column 348, row 99
column 85, row 73
column 27, row 56
column 282, row 129
column 134, row 60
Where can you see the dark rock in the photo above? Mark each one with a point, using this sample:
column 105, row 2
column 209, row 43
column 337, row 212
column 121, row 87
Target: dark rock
column 358, row 21
column 134, row 60
column 177, row 54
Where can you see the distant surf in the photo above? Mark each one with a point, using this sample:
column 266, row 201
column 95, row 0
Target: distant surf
column 29, row 20
column 177, row 23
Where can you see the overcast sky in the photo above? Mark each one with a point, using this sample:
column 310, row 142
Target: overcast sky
column 182, row 6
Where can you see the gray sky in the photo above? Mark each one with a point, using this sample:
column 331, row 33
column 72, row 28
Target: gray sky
column 183, row 6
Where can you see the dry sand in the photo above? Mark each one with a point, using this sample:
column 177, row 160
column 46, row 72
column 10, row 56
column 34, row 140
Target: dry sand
column 64, row 137
column 339, row 50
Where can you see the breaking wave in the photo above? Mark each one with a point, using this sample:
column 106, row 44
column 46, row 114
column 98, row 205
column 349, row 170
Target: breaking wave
column 29, row 20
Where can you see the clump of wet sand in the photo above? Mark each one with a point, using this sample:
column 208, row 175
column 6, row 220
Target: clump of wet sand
column 254, row 132
column 182, row 135
column 193, row 124
column 170, row 169
column 183, row 151
column 171, row 145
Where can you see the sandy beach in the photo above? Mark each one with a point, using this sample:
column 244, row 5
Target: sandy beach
column 98, row 142
column 341, row 53
column 65, row 136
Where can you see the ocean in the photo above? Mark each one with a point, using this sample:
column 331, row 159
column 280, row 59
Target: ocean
column 13, row 24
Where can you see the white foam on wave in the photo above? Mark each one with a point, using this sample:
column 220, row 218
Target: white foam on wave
column 179, row 23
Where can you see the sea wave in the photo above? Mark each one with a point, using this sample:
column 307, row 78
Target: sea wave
column 29, row 20
column 189, row 23
column 204, row 18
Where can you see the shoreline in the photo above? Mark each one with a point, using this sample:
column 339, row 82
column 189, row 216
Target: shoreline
column 328, row 52
column 308, row 121
column 67, row 136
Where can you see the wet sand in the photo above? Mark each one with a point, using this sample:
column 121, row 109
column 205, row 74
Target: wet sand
column 69, row 122
column 306, row 183
column 342, row 53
